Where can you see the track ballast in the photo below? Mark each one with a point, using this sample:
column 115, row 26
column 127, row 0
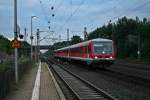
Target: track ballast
column 81, row 88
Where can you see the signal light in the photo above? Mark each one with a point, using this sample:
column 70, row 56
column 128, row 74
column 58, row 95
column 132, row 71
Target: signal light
column 21, row 36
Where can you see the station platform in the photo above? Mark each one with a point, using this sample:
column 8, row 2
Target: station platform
column 38, row 84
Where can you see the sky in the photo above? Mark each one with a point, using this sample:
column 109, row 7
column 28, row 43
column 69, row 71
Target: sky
column 72, row 14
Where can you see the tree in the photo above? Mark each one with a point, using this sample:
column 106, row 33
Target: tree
column 5, row 45
column 126, row 34
column 76, row 39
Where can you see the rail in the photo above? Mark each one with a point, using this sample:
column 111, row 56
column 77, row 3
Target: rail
column 82, row 89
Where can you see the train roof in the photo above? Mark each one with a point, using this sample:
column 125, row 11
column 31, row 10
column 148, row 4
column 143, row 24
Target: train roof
column 101, row 39
column 85, row 43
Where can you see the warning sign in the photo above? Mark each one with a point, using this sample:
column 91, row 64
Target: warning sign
column 15, row 43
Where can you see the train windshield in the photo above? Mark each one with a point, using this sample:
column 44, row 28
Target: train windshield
column 102, row 47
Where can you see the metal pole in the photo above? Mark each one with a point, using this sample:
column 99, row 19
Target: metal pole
column 68, row 34
column 139, row 46
column 15, row 36
column 36, row 46
column 59, row 38
column 25, row 34
column 25, row 40
column 85, row 33
column 38, row 40
column 31, row 40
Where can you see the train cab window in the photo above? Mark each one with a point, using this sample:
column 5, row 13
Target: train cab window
column 102, row 47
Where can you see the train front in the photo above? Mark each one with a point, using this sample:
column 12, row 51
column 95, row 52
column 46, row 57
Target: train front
column 103, row 52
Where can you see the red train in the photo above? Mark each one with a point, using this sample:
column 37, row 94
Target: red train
column 96, row 51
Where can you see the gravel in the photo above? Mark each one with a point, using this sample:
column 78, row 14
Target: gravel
column 68, row 94
column 122, row 90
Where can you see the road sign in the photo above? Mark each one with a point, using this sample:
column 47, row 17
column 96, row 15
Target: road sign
column 15, row 43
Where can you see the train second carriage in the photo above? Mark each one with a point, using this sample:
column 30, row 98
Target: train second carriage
column 92, row 52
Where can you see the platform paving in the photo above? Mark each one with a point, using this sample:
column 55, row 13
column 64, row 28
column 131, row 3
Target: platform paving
column 48, row 90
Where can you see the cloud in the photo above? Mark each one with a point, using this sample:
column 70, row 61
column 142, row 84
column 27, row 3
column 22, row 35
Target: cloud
column 92, row 14
column 31, row 3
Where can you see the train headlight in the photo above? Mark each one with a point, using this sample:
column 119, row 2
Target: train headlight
column 111, row 57
column 95, row 57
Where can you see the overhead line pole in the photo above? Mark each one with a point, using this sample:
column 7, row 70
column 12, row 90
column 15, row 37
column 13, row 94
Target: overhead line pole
column 38, row 44
column 25, row 40
column 68, row 36
column 31, row 39
column 85, row 33
column 139, row 46
column 37, row 47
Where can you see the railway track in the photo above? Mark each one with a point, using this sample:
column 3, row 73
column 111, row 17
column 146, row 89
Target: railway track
column 138, row 74
column 125, row 76
column 124, row 90
column 134, row 66
column 126, row 73
column 82, row 89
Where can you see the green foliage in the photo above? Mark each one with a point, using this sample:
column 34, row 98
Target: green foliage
column 48, row 53
column 23, row 59
column 60, row 45
column 5, row 65
column 5, row 45
column 75, row 39
column 7, row 76
column 24, row 50
column 127, row 34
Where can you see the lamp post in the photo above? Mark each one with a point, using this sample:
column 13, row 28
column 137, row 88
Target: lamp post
column 32, row 17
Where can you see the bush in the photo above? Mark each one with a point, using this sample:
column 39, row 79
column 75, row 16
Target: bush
column 6, row 65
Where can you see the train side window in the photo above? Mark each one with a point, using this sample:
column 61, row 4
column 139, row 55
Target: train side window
column 80, row 49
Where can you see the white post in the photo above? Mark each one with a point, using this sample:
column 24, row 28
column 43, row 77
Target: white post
column 15, row 36
column 16, row 64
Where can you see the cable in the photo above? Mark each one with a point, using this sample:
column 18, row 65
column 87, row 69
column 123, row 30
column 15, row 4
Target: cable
column 128, row 11
column 59, row 5
column 131, row 10
column 44, row 12
column 72, row 14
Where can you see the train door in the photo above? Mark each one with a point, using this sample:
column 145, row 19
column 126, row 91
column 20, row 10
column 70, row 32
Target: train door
column 85, row 52
column 88, row 51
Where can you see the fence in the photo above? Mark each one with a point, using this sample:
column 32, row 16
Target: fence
column 7, row 77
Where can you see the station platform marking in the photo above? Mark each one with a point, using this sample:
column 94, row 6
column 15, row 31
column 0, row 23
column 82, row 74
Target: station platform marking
column 36, row 89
